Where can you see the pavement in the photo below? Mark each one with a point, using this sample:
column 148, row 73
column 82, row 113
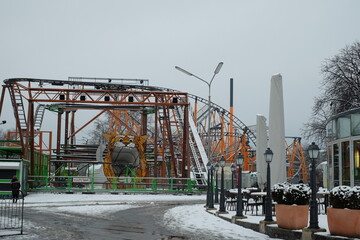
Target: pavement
column 252, row 221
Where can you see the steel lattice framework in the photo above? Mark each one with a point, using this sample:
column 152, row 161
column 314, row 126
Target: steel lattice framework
column 134, row 108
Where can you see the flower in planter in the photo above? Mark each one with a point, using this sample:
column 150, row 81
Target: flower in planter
column 345, row 197
column 289, row 194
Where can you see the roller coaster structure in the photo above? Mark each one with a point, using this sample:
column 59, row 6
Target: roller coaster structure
column 174, row 121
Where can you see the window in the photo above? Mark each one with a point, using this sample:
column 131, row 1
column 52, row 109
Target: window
column 355, row 124
column 345, row 163
column 357, row 163
column 336, row 165
column 343, row 127
column 331, row 129
column 7, row 173
column 330, row 166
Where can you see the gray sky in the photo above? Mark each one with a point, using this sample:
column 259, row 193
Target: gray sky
column 146, row 39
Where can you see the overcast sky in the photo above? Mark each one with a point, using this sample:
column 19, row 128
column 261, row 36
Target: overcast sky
column 146, row 39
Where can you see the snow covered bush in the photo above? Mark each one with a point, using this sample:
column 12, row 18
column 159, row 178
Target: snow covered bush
column 289, row 194
column 345, row 197
column 277, row 192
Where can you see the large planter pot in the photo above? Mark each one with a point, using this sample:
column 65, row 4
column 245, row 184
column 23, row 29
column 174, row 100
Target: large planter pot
column 292, row 216
column 344, row 222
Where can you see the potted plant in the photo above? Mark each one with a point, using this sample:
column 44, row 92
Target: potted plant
column 292, row 205
column 344, row 216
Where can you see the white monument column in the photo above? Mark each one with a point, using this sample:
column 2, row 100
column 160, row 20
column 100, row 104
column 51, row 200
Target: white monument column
column 261, row 145
column 277, row 131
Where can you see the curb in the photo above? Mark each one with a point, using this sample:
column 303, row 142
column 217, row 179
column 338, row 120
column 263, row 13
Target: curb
column 273, row 231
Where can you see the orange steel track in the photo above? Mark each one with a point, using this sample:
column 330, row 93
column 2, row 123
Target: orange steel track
column 134, row 108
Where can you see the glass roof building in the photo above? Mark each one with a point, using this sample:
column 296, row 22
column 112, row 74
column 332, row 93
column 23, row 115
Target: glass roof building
column 343, row 149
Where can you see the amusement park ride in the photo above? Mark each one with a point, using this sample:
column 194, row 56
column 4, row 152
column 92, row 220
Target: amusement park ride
column 155, row 131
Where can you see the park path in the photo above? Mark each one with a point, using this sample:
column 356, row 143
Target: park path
column 144, row 222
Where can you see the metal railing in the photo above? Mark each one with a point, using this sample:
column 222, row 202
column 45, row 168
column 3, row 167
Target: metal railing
column 11, row 214
column 117, row 184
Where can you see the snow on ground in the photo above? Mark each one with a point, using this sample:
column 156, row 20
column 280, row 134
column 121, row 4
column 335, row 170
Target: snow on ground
column 195, row 219
column 189, row 218
column 39, row 199
column 88, row 210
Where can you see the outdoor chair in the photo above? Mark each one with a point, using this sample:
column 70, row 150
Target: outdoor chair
column 230, row 201
column 321, row 203
column 252, row 202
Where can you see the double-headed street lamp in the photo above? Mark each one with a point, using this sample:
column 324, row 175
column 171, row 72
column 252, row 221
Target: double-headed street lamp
column 216, row 183
column 268, row 202
column 217, row 70
column 239, row 206
column 313, row 151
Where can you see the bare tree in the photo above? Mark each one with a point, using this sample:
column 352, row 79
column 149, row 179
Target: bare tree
column 96, row 136
column 340, row 91
column 4, row 135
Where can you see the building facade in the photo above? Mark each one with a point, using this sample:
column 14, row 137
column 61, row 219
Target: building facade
column 343, row 149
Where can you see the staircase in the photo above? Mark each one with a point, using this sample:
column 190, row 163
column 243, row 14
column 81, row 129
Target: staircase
column 39, row 116
column 17, row 101
column 196, row 149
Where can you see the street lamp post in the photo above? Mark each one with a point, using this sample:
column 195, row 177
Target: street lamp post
column 211, row 201
column 216, row 183
column 313, row 151
column 222, row 193
column 208, row 166
column 233, row 168
column 217, row 70
column 239, row 206
column 268, row 202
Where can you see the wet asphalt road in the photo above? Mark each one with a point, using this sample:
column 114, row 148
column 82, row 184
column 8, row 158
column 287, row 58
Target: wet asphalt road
column 144, row 222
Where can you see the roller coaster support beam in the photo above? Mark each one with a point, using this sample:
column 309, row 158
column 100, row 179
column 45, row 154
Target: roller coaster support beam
column 185, row 160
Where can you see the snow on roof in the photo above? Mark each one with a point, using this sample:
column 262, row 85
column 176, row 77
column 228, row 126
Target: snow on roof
column 9, row 165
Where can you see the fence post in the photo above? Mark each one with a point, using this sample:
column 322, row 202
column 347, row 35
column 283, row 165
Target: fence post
column 114, row 184
column 69, row 182
column 92, row 178
column 153, row 186
column 46, row 182
column 189, row 185
column 171, row 184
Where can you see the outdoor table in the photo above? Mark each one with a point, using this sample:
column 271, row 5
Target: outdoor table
column 235, row 191
column 263, row 195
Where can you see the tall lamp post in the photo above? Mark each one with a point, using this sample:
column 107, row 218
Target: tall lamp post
column 268, row 202
column 313, row 151
column 217, row 70
column 208, row 166
column 233, row 168
column 222, row 193
column 216, row 183
column 239, row 206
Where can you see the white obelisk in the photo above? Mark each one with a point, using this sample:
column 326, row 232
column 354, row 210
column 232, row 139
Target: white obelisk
column 277, row 131
column 261, row 145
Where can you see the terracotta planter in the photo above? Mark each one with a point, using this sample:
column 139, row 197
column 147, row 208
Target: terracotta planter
column 292, row 216
column 344, row 222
